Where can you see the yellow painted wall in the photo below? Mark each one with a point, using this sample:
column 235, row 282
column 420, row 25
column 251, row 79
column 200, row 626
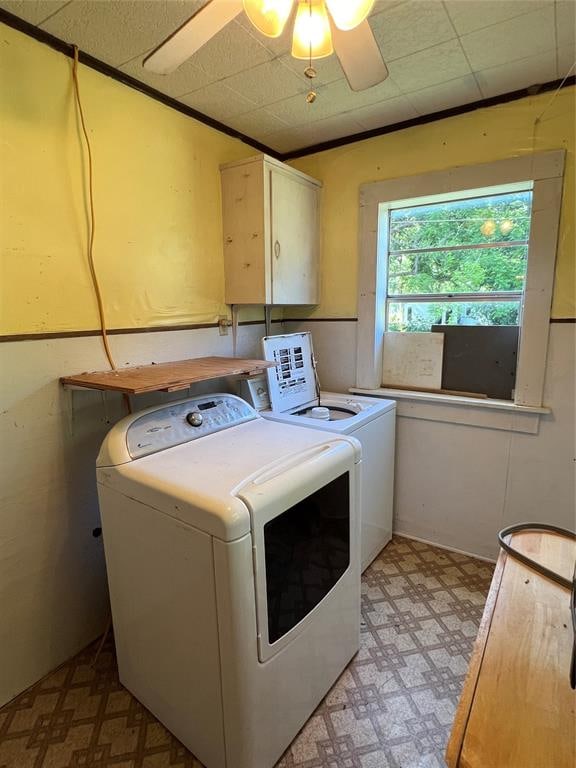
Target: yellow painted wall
column 158, row 239
column 477, row 137
column 158, row 242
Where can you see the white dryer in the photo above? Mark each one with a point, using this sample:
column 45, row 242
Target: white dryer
column 295, row 398
column 232, row 550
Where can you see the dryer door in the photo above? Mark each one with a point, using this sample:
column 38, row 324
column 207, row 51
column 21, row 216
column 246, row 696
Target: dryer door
column 304, row 525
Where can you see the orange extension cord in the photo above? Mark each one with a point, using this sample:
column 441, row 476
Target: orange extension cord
column 93, row 274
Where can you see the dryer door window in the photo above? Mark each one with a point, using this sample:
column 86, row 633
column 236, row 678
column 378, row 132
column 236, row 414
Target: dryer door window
column 307, row 550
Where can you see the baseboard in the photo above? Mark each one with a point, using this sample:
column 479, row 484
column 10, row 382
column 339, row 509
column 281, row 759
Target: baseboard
column 402, row 535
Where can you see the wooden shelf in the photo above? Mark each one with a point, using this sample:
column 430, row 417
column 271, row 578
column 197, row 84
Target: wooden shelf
column 166, row 377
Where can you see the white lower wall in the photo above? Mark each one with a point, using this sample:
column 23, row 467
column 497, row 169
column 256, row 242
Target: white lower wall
column 53, row 592
column 458, row 485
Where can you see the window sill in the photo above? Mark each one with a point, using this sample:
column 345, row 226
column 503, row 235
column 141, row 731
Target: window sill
column 478, row 412
column 434, row 397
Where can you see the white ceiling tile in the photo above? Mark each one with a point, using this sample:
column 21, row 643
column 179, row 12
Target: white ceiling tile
column 276, row 45
column 411, row 27
column 331, row 128
column 268, row 82
column 566, row 61
column 296, row 110
column 185, row 79
column 385, row 113
column 565, row 23
column 381, row 6
column 520, row 74
column 282, row 141
column 218, row 101
column 118, row 31
column 232, row 50
column 518, row 38
column 430, row 67
column 34, row 11
column 470, row 15
column 332, row 99
column 257, row 123
column 314, row 133
column 463, row 90
column 328, row 69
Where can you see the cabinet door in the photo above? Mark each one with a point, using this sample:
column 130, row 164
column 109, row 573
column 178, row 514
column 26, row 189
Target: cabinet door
column 246, row 235
column 294, row 239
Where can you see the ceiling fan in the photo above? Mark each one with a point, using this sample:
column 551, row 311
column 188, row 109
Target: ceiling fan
column 320, row 28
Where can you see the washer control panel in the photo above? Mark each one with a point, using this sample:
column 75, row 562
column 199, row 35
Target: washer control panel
column 186, row 420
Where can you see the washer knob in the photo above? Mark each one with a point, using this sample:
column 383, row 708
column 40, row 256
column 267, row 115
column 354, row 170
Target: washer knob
column 195, row 419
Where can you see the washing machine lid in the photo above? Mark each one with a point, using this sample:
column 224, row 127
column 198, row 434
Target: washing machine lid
column 199, row 482
column 292, row 384
column 347, row 412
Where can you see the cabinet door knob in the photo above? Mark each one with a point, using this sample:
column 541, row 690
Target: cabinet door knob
column 277, row 249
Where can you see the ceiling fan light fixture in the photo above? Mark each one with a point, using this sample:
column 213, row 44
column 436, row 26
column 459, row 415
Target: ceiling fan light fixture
column 269, row 16
column 348, row 14
column 312, row 38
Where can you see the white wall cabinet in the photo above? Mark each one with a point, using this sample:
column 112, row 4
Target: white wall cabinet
column 271, row 233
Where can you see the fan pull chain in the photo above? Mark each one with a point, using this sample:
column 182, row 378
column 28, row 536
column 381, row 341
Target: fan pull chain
column 310, row 72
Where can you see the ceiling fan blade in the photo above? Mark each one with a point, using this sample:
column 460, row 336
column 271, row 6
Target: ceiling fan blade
column 192, row 35
column 359, row 56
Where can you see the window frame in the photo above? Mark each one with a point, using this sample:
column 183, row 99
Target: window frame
column 545, row 170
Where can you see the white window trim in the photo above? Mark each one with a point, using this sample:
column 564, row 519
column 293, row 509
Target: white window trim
column 545, row 170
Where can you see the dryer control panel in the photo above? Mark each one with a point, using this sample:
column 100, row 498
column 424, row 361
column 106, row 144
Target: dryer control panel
column 164, row 427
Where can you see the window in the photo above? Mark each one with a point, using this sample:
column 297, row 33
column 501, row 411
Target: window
column 456, row 262
column 470, row 245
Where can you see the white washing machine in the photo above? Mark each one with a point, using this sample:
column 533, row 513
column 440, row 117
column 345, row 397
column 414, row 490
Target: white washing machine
column 295, row 398
column 232, row 550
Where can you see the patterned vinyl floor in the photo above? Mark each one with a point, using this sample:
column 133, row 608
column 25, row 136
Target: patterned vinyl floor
column 391, row 708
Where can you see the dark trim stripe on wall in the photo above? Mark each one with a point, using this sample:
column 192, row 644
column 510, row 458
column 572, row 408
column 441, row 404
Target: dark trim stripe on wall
column 319, row 320
column 355, row 320
column 189, row 327
column 463, row 109
column 117, row 331
column 90, row 61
